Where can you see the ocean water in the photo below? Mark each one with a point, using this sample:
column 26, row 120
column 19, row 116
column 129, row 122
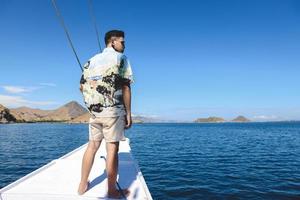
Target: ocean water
column 178, row 161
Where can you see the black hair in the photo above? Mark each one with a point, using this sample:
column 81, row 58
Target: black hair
column 113, row 33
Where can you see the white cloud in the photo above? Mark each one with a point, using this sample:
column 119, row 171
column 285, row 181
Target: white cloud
column 17, row 101
column 23, row 89
column 48, row 84
column 18, row 89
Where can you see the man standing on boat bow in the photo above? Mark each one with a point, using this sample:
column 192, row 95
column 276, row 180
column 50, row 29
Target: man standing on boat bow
column 105, row 85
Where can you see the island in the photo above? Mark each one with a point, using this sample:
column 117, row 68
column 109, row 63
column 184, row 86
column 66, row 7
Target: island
column 209, row 119
column 220, row 120
column 240, row 119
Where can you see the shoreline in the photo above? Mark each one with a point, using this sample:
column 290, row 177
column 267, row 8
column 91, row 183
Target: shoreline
column 225, row 122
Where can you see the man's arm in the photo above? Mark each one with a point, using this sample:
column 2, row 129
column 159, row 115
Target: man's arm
column 127, row 103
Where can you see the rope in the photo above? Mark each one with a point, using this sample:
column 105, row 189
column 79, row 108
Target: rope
column 95, row 23
column 66, row 31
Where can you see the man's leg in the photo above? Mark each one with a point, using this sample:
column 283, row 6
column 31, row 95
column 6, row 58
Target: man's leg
column 87, row 163
column 112, row 162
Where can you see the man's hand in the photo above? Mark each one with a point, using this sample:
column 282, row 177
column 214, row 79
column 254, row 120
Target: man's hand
column 80, row 87
column 128, row 121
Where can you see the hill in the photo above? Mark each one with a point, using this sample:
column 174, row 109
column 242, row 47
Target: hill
column 66, row 112
column 84, row 118
column 5, row 115
column 240, row 119
column 26, row 114
column 209, row 119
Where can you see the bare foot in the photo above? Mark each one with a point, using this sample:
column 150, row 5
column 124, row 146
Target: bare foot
column 82, row 188
column 117, row 194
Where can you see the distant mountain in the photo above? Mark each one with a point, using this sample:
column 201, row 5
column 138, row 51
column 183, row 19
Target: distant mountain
column 209, row 119
column 142, row 119
column 25, row 114
column 71, row 112
column 149, row 119
column 66, row 112
column 240, row 119
column 137, row 120
column 5, row 115
column 84, row 118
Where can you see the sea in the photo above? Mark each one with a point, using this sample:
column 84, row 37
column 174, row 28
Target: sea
column 178, row 160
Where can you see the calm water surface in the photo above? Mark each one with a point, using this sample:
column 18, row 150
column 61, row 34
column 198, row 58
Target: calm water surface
column 179, row 161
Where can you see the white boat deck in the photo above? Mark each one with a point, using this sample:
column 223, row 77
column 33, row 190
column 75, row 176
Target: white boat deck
column 59, row 179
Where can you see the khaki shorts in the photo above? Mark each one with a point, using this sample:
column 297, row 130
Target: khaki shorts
column 109, row 128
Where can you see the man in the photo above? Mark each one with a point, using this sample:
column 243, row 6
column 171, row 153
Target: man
column 105, row 85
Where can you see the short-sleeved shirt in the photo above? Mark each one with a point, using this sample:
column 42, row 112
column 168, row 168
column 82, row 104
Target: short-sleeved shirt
column 102, row 79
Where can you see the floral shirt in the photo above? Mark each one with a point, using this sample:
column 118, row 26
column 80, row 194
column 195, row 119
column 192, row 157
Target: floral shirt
column 102, row 80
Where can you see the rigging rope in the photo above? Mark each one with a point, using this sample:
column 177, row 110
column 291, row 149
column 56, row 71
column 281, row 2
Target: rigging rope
column 95, row 23
column 66, row 31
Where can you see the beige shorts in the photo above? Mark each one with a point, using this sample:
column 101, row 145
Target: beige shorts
column 109, row 128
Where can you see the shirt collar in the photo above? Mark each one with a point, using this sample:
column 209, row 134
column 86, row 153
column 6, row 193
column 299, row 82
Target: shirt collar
column 107, row 49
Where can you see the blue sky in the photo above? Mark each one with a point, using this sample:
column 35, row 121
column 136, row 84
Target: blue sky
column 190, row 58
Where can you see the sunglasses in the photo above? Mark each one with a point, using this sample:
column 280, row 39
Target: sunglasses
column 122, row 42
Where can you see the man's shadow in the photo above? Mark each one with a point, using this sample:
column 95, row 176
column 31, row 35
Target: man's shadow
column 97, row 180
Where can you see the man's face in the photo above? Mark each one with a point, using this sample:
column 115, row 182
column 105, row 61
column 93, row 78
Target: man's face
column 118, row 44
